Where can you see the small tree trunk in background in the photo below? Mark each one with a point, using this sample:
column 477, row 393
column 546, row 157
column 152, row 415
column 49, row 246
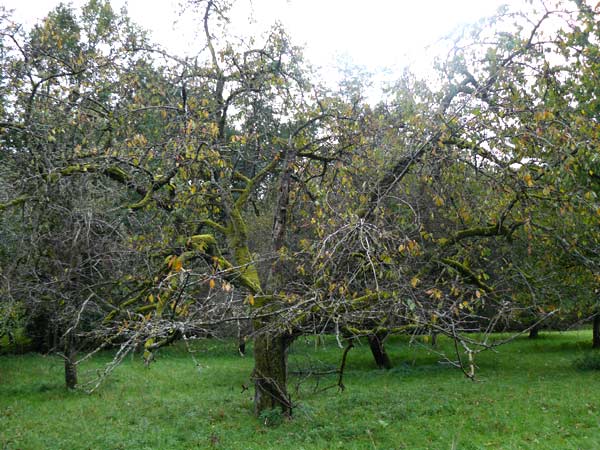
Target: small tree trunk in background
column 270, row 374
column 70, row 366
column 433, row 336
column 596, row 331
column 241, row 339
column 377, row 348
column 534, row 332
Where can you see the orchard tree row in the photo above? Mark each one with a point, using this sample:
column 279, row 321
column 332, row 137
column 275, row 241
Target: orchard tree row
column 147, row 197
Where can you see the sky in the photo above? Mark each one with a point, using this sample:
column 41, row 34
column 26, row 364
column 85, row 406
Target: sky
column 378, row 35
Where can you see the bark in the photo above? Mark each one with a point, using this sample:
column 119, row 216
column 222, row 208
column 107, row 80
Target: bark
column 534, row 332
column 270, row 374
column 433, row 336
column 382, row 359
column 270, row 348
column 596, row 331
column 70, row 366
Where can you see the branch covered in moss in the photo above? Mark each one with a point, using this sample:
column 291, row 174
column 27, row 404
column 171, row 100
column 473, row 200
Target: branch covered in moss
column 489, row 231
column 15, row 202
column 119, row 175
column 214, row 225
column 467, row 273
column 158, row 183
column 243, row 198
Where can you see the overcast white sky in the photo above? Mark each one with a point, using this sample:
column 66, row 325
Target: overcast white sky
column 375, row 34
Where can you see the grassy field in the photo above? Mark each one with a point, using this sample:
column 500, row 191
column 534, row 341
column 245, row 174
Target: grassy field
column 529, row 395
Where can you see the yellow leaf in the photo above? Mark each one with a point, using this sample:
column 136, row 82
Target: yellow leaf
column 177, row 265
column 528, row 180
column 211, row 283
column 251, row 299
column 414, row 282
column 434, row 293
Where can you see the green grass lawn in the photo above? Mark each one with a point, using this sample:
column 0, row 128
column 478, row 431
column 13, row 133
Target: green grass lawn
column 529, row 395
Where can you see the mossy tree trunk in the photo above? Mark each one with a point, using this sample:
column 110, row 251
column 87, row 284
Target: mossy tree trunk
column 270, row 374
column 270, row 348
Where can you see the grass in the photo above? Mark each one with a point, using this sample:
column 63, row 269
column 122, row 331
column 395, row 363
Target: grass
column 530, row 395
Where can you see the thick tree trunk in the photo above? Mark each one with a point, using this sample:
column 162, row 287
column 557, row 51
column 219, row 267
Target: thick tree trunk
column 377, row 348
column 534, row 332
column 270, row 349
column 270, row 374
column 596, row 331
column 70, row 366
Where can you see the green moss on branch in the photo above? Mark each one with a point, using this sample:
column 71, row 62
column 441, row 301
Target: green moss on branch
column 15, row 202
column 467, row 273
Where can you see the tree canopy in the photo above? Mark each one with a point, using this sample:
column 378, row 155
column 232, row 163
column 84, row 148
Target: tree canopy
column 148, row 197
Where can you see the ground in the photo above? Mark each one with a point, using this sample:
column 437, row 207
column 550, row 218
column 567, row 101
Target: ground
column 529, row 395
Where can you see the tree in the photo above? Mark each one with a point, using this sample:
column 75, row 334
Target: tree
column 166, row 197
column 64, row 244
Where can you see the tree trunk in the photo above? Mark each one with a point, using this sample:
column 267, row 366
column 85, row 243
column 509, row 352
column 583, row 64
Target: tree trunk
column 377, row 348
column 596, row 331
column 433, row 336
column 241, row 338
column 270, row 348
column 70, row 366
column 242, row 345
column 270, row 374
column 534, row 332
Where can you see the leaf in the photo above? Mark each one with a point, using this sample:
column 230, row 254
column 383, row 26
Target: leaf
column 414, row 282
column 434, row 293
column 251, row 299
column 211, row 283
column 177, row 265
